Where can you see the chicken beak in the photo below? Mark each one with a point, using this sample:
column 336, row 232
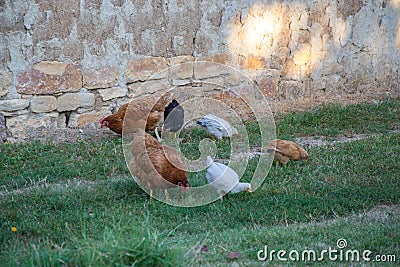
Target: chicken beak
column 249, row 190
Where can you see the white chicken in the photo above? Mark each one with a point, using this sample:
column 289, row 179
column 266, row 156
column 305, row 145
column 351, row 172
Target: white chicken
column 217, row 127
column 224, row 179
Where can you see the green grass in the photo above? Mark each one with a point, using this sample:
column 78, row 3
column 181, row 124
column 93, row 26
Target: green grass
column 76, row 204
column 26, row 164
column 332, row 120
column 124, row 242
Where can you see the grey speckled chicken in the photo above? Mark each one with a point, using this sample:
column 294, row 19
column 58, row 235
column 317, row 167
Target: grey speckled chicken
column 224, row 179
column 217, row 127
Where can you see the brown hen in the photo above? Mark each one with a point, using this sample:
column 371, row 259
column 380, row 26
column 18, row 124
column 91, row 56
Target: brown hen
column 284, row 151
column 138, row 107
column 156, row 166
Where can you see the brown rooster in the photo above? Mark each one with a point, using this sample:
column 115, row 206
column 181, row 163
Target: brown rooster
column 284, row 151
column 138, row 108
column 155, row 165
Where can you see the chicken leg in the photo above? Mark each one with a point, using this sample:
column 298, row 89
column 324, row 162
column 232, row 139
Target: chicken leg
column 156, row 132
column 166, row 194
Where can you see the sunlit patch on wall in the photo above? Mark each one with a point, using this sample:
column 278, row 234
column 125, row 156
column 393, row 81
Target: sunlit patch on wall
column 395, row 3
column 256, row 33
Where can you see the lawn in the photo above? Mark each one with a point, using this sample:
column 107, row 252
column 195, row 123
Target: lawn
column 77, row 205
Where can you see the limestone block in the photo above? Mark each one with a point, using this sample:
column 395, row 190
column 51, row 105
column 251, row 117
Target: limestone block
column 145, row 68
column 50, row 77
column 73, row 120
column 213, row 82
column 255, row 63
column 72, row 101
column 181, row 71
column 221, row 58
column 179, row 60
column 61, row 120
column 102, row 78
column 149, row 87
column 41, row 104
column 111, row 93
column 14, row 113
column 231, row 101
column 91, row 117
column 203, row 70
column 6, row 80
column 233, row 79
column 268, row 86
column 13, row 104
column 28, row 124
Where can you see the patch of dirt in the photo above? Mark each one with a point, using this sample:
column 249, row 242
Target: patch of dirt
column 66, row 185
column 313, row 141
column 382, row 213
column 307, row 141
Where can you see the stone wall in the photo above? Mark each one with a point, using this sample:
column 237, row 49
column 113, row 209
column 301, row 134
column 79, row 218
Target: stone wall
column 65, row 64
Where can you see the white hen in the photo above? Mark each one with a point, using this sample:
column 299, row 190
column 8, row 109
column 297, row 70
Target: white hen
column 224, row 179
column 217, row 126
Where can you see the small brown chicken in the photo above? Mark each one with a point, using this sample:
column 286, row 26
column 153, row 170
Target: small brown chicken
column 284, row 151
column 156, row 166
column 139, row 107
column 115, row 121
